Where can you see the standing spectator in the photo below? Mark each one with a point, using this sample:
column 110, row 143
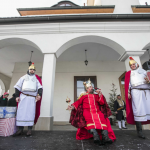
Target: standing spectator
column 12, row 101
column 4, row 99
column 119, row 108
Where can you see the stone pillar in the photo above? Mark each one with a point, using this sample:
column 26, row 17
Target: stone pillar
column 136, row 56
column 45, row 121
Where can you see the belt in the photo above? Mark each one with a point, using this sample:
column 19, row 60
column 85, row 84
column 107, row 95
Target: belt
column 140, row 89
column 29, row 95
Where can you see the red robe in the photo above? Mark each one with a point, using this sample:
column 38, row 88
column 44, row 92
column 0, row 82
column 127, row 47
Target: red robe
column 88, row 115
column 129, row 110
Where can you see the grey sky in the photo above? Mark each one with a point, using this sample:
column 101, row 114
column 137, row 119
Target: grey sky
column 8, row 7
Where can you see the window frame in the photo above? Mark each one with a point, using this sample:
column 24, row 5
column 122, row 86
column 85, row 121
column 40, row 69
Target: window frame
column 75, row 84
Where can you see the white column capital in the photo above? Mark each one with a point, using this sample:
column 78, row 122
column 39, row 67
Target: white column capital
column 126, row 54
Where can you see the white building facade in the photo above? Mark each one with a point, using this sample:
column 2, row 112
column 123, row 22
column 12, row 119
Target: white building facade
column 59, row 43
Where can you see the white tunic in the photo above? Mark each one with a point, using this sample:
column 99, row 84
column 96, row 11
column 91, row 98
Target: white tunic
column 140, row 99
column 27, row 105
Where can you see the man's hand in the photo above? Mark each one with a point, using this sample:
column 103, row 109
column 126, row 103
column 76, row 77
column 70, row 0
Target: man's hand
column 98, row 91
column 129, row 96
column 38, row 98
column 18, row 99
column 146, row 79
column 70, row 107
column 116, row 112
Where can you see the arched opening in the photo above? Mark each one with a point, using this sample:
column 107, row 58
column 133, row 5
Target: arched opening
column 2, row 87
column 103, row 64
column 91, row 39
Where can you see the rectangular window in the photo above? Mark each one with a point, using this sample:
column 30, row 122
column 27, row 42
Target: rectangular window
column 78, row 84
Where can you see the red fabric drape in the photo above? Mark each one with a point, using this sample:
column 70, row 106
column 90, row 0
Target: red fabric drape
column 38, row 103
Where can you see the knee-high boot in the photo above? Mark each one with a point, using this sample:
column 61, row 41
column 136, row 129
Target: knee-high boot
column 95, row 136
column 105, row 137
column 139, row 130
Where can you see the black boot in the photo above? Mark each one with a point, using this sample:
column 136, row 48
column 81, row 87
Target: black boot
column 139, row 130
column 19, row 132
column 95, row 136
column 105, row 138
column 29, row 131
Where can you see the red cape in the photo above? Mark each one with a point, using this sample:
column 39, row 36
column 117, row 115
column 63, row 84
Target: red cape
column 129, row 110
column 38, row 103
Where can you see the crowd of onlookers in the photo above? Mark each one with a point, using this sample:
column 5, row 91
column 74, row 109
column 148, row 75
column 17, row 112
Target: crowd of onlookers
column 5, row 102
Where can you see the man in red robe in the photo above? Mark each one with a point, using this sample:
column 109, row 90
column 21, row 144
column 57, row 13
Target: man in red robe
column 137, row 94
column 87, row 116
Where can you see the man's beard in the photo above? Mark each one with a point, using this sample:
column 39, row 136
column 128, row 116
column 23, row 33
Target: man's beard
column 31, row 73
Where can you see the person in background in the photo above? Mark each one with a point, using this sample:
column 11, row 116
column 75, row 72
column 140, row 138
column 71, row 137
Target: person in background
column 119, row 108
column 4, row 99
column 12, row 101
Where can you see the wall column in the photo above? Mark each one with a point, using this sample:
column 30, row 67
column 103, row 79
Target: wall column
column 45, row 121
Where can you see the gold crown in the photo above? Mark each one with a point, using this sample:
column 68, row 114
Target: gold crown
column 132, row 61
column 88, row 84
column 32, row 67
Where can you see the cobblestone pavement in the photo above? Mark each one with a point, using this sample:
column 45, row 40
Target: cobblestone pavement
column 66, row 140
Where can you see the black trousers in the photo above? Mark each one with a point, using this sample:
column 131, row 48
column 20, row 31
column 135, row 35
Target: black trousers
column 22, row 127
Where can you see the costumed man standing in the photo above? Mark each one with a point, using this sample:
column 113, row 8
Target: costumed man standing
column 90, row 115
column 120, row 110
column 137, row 94
column 28, row 91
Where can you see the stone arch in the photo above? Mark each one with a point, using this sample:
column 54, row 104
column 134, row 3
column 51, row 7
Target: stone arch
column 17, row 41
column 92, row 39
column 2, row 87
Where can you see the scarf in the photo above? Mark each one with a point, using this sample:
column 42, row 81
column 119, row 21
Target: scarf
column 120, row 102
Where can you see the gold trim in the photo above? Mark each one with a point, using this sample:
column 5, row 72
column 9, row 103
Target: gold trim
column 92, row 124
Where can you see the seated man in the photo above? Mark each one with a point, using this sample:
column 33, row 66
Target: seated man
column 90, row 115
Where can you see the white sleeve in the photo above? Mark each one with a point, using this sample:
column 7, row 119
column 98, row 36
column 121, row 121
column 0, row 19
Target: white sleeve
column 19, row 84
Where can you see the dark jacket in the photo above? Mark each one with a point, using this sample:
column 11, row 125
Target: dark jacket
column 119, row 116
column 3, row 102
column 12, row 101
